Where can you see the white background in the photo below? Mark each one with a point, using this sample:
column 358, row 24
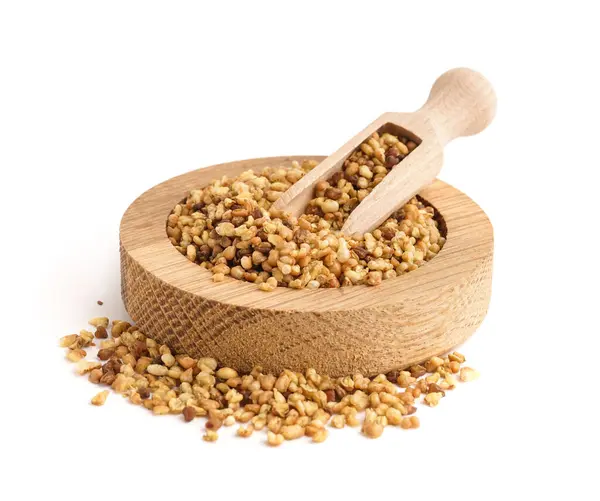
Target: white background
column 99, row 101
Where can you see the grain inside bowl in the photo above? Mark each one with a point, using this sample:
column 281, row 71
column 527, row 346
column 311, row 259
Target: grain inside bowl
column 230, row 227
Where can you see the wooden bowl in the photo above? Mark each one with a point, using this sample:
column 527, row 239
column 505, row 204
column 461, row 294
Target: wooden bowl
column 342, row 331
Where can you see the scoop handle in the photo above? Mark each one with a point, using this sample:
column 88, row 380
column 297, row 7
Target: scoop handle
column 462, row 102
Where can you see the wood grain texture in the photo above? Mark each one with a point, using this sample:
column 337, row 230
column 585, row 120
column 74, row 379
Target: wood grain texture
column 363, row 329
column 461, row 103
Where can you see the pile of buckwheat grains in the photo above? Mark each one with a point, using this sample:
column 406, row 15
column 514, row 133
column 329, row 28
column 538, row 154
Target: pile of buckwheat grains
column 230, row 228
column 287, row 406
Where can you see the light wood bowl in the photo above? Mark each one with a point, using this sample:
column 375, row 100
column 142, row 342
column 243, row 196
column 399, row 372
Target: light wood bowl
column 342, row 331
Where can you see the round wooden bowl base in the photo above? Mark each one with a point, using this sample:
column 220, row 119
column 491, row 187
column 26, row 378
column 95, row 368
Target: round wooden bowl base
column 342, row 331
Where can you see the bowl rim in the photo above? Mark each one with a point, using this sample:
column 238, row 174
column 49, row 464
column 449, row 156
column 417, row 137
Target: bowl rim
column 143, row 237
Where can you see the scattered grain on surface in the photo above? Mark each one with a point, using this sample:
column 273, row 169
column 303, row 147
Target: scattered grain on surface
column 287, row 406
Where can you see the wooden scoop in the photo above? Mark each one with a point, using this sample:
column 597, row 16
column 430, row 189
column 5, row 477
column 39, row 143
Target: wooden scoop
column 461, row 103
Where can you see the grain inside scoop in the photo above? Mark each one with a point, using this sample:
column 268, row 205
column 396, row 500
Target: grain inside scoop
column 403, row 321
